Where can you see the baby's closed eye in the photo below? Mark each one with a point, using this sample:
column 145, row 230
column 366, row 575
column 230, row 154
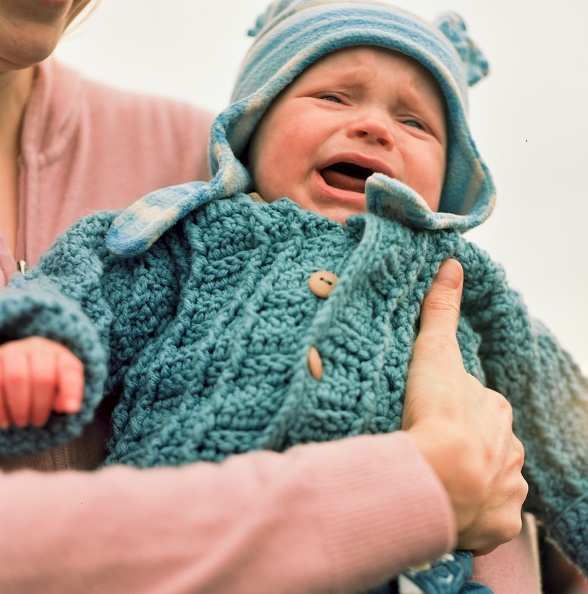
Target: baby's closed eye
column 330, row 97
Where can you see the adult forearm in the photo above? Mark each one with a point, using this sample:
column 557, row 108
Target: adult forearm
column 335, row 517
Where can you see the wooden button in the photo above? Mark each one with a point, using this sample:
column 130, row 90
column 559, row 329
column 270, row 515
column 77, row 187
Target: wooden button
column 322, row 282
column 315, row 364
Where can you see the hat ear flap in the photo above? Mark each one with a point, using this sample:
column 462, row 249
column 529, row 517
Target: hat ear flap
column 140, row 225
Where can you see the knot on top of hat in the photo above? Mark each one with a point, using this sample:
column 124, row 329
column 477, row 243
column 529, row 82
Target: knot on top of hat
column 260, row 21
column 270, row 12
column 454, row 28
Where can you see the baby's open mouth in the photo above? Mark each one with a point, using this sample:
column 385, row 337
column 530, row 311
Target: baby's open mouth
column 346, row 176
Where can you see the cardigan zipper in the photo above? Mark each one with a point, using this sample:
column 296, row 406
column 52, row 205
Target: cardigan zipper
column 20, row 252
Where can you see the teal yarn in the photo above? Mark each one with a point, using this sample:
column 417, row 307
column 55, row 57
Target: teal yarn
column 205, row 337
column 201, row 331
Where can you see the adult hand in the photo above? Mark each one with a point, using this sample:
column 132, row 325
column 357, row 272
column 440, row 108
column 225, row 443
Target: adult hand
column 463, row 429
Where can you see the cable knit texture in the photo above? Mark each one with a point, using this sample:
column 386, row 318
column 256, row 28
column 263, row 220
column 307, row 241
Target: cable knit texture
column 206, row 335
column 192, row 311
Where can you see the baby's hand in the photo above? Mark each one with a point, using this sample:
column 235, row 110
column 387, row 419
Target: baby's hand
column 38, row 376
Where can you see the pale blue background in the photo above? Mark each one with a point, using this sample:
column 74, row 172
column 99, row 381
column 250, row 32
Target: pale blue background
column 529, row 117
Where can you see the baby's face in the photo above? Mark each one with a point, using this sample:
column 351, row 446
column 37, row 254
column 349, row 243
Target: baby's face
column 355, row 112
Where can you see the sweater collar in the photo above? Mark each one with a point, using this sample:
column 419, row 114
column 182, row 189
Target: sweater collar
column 51, row 113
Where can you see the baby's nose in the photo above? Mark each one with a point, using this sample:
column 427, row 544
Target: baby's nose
column 373, row 129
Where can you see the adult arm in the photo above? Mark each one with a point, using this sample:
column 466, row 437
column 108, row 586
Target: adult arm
column 334, row 517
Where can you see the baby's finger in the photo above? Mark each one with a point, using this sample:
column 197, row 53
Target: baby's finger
column 43, row 386
column 17, row 386
column 4, row 420
column 70, row 376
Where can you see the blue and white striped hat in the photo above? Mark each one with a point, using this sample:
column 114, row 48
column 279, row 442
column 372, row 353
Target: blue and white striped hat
column 289, row 37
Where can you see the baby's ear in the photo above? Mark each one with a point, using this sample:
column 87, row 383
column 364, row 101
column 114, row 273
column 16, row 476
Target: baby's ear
column 474, row 62
column 244, row 155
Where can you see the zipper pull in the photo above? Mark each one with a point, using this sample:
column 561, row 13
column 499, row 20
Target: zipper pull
column 21, row 266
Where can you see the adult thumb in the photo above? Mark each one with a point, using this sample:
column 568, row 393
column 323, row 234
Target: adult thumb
column 440, row 309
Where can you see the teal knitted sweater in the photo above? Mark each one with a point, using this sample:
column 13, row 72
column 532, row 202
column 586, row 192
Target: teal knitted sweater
column 203, row 340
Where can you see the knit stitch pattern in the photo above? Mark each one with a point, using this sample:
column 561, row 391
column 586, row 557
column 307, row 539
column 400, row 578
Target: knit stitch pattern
column 191, row 309
column 206, row 336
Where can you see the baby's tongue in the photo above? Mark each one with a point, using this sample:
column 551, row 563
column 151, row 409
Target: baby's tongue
column 343, row 181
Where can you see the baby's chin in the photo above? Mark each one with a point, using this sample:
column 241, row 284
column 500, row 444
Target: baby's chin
column 334, row 203
column 341, row 211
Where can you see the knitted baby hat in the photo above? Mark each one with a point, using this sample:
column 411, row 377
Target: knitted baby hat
column 289, row 37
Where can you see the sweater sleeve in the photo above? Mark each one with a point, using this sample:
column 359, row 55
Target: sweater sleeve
column 341, row 516
column 549, row 395
column 62, row 300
